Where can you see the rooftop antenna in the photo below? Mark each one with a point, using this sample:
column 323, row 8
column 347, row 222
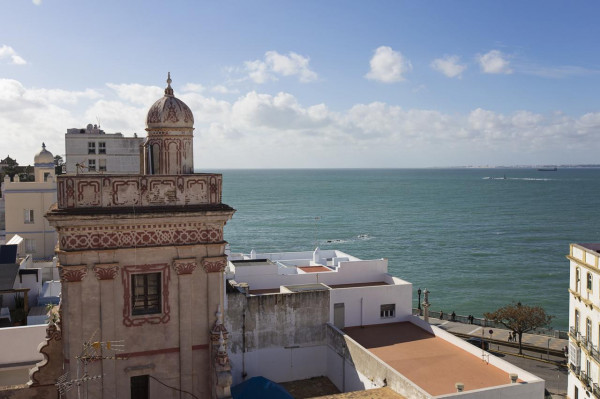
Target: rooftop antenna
column 98, row 120
column 80, row 167
column 92, row 351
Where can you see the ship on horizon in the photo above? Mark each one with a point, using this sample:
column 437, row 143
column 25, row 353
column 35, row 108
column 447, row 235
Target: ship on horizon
column 548, row 169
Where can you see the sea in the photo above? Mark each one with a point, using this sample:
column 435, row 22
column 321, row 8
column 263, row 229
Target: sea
column 477, row 239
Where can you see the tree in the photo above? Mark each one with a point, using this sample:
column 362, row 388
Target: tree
column 11, row 167
column 520, row 319
column 58, row 164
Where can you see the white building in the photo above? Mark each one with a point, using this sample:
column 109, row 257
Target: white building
column 25, row 206
column 297, row 315
column 97, row 151
column 584, row 321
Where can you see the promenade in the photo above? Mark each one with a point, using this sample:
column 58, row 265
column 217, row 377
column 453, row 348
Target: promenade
column 531, row 342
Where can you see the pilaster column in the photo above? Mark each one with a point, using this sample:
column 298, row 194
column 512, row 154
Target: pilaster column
column 71, row 278
column 184, row 269
column 106, row 273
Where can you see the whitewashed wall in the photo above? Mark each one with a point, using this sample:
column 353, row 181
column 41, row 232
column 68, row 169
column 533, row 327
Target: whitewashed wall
column 265, row 277
column 372, row 298
column 20, row 344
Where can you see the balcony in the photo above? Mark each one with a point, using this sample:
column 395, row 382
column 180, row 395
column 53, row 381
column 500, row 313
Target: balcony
column 583, row 377
column 575, row 334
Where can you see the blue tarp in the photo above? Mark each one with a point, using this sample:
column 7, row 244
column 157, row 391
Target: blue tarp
column 259, row 388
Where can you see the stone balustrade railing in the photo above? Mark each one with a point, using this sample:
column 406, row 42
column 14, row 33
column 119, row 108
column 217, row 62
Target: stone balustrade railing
column 90, row 191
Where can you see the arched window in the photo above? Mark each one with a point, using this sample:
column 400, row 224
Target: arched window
column 588, row 329
column 577, row 280
column 576, row 321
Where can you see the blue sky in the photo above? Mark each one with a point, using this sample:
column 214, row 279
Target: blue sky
column 312, row 83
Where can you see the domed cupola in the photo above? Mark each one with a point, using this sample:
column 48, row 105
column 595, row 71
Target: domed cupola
column 44, row 158
column 43, row 165
column 169, row 112
column 168, row 149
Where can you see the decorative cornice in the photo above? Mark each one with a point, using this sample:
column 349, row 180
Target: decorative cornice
column 185, row 266
column 72, row 274
column 106, row 271
column 215, row 264
column 142, row 235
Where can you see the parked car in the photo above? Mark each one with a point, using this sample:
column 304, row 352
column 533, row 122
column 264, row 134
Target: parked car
column 480, row 343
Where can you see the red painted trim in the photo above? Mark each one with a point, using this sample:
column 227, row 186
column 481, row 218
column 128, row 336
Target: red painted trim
column 160, row 351
column 149, row 353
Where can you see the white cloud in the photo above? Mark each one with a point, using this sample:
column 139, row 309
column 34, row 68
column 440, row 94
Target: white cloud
column 494, row 62
column 388, row 66
column 223, row 90
column 196, row 87
column 137, row 93
column 275, row 64
column 7, row 52
column 265, row 130
column 37, row 2
column 449, row 65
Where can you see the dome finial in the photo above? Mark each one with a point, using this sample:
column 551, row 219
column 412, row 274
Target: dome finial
column 43, row 145
column 169, row 90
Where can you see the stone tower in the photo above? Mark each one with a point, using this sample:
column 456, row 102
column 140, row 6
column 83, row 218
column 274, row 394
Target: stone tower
column 142, row 259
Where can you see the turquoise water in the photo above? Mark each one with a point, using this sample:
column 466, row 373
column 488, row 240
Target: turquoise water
column 476, row 240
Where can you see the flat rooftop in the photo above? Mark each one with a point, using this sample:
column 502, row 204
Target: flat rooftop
column 332, row 286
column 314, row 269
column 430, row 362
column 592, row 246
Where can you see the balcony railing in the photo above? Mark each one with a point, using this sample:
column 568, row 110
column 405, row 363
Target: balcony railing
column 585, row 378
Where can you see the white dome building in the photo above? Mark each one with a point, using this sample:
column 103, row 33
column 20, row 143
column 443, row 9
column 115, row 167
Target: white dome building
column 168, row 149
column 43, row 164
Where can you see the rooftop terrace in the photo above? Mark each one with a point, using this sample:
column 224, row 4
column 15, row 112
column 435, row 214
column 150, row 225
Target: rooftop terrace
column 432, row 363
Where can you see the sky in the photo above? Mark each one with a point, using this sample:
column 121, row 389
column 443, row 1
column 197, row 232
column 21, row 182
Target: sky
column 312, row 84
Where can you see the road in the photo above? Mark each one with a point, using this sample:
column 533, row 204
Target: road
column 555, row 376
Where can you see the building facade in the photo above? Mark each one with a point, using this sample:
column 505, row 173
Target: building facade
column 142, row 260
column 298, row 315
column 584, row 321
column 26, row 203
column 91, row 150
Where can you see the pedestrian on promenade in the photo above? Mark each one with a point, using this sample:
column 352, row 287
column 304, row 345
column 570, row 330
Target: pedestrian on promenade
column 441, row 315
column 453, row 316
column 510, row 336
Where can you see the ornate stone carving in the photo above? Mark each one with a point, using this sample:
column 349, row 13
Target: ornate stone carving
column 72, row 274
column 106, row 271
column 50, row 368
column 215, row 264
column 86, row 191
column 128, row 319
column 150, row 235
column 185, row 266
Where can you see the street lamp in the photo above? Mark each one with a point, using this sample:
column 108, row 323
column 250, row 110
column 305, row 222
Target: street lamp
column 419, row 303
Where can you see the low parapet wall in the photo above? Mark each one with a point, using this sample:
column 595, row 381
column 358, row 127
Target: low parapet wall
column 87, row 191
column 20, row 344
column 351, row 367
